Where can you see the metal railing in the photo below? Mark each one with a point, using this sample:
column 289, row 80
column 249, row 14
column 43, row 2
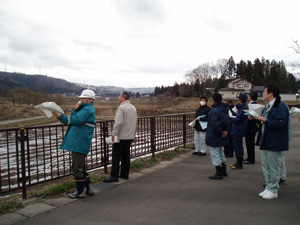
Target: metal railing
column 32, row 155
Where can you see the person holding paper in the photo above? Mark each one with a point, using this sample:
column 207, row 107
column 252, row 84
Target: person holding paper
column 273, row 139
column 78, row 138
column 216, row 135
column 228, row 149
column 124, row 127
column 200, row 127
column 238, row 130
column 251, row 132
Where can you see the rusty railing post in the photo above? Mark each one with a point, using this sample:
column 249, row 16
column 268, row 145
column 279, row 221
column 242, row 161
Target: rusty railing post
column 105, row 157
column 24, row 179
column 152, row 130
column 184, row 130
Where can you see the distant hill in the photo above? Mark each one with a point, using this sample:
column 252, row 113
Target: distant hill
column 50, row 85
column 40, row 83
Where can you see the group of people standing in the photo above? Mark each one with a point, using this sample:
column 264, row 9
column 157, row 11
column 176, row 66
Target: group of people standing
column 81, row 124
column 218, row 126
column 226, row 128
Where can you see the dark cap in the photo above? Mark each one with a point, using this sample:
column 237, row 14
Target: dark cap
column 243, row 97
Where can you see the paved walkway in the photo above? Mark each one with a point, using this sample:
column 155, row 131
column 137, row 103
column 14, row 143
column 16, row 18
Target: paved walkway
column 179, row 192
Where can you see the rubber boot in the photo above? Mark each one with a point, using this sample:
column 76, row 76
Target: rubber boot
column 80, row 190
column 224, row 173
column 89, row 187
column 218, row 174
column 239, row 164
column 234, row 165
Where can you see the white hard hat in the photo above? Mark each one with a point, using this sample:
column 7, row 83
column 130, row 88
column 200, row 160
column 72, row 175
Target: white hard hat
column 87, row 94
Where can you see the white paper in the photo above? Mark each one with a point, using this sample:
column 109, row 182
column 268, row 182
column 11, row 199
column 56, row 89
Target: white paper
column 258, row 108
column 203, row 125
column 108, row 140
column 251, row 113
column 294, row 111
column 49, row 107
column 230, row 114
column 192, row 124
column 234, row 109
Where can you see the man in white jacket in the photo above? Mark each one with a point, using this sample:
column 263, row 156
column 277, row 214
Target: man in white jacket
column 124, row 128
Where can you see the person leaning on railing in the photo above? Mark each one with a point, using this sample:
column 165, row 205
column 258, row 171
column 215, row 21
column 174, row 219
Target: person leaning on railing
column 78, row 140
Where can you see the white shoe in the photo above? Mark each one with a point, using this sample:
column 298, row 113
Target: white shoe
column 270, row 195
column 263, row 193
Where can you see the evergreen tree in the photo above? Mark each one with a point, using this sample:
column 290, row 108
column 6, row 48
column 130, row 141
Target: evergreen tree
column 197, row 88
column 257, row 72
column 230, row 71
column 241, row 69
column 175, row 90
column 249, row 72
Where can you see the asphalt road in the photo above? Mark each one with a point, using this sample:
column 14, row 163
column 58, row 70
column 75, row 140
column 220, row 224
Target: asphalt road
column 181, row 193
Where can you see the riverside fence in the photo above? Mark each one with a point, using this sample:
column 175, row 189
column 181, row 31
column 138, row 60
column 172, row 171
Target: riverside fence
column 31, row 155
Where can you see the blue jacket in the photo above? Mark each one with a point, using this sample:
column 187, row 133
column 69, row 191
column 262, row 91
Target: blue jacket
column 276, row 132
column 218, row 121
column 239, row 123
column 81, row 123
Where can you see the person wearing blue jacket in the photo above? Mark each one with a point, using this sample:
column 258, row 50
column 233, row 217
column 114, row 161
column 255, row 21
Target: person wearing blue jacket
column 273, row 139
column 216, row 135
column 238, row 131
column 78, row 140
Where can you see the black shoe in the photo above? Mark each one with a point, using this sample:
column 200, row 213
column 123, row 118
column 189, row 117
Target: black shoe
column 201, row 154
column 281, row 181
column 110, row 179
column 125, row 178
column 195, row 153
column 247, row 161
column 224, row 172
column 218, row 175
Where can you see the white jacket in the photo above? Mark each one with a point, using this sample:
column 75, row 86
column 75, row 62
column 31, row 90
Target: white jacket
column 125, row 121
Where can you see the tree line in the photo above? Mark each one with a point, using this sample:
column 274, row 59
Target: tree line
column 208, row 78
column 26, row 96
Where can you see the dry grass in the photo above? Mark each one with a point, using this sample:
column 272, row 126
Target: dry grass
column 105, row 110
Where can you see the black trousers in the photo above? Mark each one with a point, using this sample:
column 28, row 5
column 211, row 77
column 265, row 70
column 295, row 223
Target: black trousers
column 228, row 149
column 78, row 166
column 250, row 144
column 121, row 152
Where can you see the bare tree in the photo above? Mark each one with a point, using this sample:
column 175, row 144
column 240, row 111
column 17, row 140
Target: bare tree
column 222, row 65
column 296, row 48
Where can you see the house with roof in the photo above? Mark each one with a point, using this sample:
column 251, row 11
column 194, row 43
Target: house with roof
column 239, row 86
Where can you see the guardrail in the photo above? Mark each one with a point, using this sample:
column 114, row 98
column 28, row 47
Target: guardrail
column 31, row 155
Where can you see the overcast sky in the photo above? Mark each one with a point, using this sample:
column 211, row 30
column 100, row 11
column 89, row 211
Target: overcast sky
column 141, row 43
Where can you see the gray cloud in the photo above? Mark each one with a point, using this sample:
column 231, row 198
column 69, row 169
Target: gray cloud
column 142, row 17
column 216, row 23
column 146, row 10
column 32, row 44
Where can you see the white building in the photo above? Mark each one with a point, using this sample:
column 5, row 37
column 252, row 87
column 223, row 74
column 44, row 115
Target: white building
column 235, row 87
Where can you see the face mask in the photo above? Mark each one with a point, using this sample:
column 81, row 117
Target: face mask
column 202, row 103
